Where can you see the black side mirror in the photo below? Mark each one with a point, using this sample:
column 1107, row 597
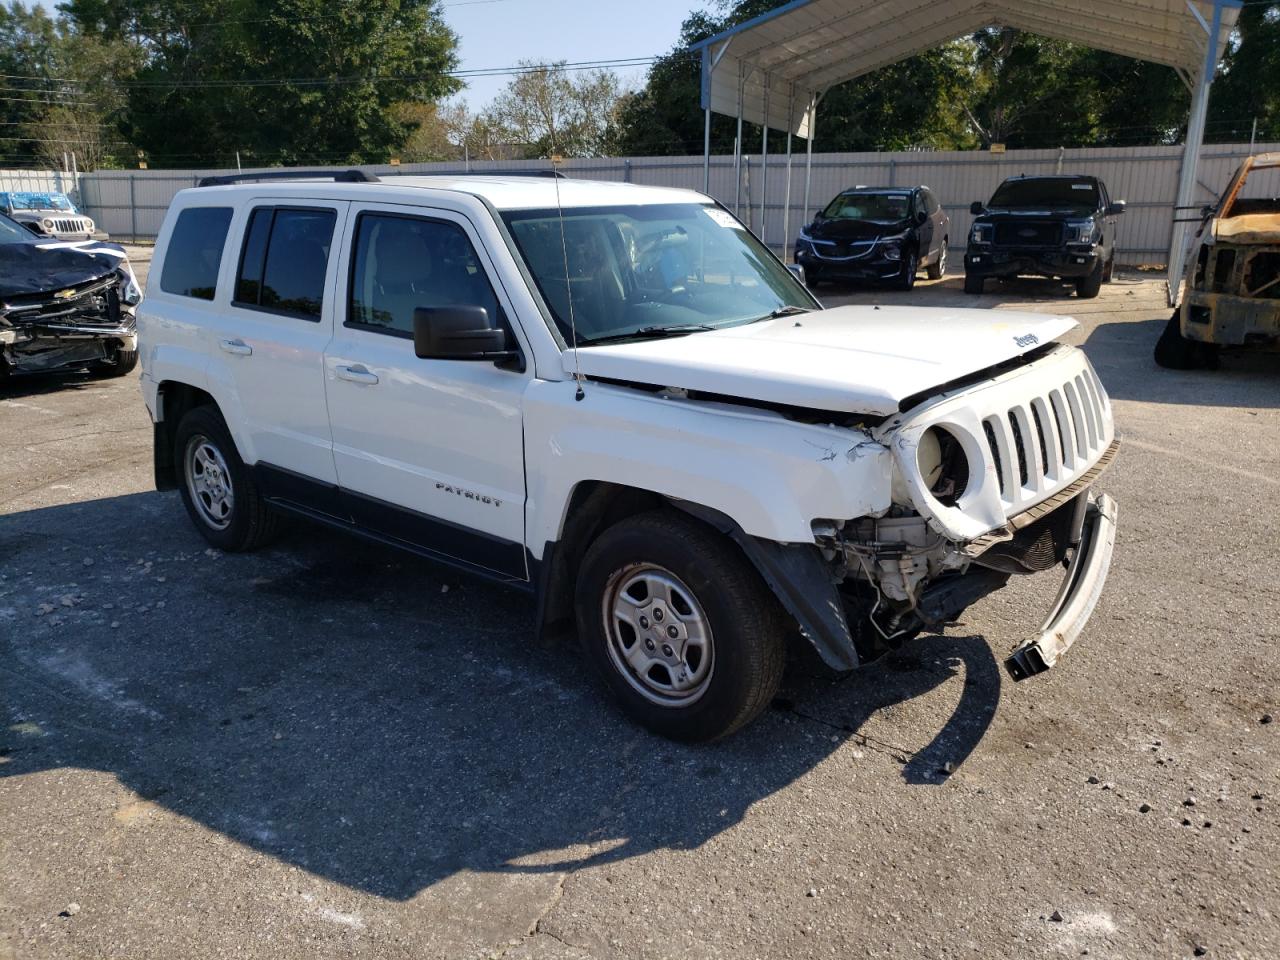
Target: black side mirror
column 921, row 218
column 1115, row 207
column 461, row 333
column 977, row 208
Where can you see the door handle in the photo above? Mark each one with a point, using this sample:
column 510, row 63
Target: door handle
column 236, row 346
column 356, row 374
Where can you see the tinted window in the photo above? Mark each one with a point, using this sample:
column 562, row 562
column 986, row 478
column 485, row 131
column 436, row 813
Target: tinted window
column 286, row 254
column 886, row 207
column 194, row 253
column 402, row 263
column 1048, row 193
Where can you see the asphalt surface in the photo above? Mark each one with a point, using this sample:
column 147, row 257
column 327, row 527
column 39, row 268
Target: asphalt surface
column 329, row 749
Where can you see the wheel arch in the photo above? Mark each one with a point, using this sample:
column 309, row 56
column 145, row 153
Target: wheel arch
column 794, row 573
column 173, row 400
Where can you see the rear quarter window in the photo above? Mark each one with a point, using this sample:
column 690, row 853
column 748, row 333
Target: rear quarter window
column 194, row 254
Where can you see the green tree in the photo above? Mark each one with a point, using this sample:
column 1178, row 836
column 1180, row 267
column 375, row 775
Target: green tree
column 549, row 111
column 1248, row 86
column 280, row 81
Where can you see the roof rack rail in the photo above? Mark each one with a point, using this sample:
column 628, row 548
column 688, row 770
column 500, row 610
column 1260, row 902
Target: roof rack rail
column 489, row 173
column 337, row 176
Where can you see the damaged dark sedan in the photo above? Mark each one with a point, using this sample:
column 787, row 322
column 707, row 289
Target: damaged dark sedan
column 65, row 305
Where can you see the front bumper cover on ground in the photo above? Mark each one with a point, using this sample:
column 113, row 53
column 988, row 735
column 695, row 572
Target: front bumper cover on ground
column 1086, row 575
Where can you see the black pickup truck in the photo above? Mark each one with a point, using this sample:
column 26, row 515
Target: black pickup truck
column 1056, row 226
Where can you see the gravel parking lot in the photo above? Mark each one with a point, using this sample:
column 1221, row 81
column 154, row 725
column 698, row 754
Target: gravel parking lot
column 331, row 749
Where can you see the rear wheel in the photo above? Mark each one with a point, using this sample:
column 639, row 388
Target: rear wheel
column 1088, row 287
column 217, row 488
column 938, row 270
column 973, row 284
column 1176, row 352
column 685, row 633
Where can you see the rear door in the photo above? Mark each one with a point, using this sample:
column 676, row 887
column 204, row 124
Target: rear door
column 428, row 452
column 270, row 338
column 925, row 230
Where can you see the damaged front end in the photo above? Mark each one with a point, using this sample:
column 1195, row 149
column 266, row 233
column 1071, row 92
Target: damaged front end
column 76, row 322
column 992, row 481
column 1233, row 296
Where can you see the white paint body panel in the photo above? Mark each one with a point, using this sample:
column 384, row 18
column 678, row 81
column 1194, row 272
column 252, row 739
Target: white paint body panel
column 771, row 475
column 523, row 438
column 856, row 359
column 442, row 438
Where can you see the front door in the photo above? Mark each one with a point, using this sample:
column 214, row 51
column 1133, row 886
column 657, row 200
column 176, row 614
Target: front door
column 428, row 452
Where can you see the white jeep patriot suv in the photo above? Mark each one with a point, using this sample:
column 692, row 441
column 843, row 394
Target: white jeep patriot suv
column 617, row 398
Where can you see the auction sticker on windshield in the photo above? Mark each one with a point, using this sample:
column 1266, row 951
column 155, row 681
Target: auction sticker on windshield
column 724, row 219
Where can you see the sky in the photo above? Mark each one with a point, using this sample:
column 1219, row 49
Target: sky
column 497, row 33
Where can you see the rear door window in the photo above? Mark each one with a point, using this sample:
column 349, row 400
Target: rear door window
column 284, row 261
column 194, row 254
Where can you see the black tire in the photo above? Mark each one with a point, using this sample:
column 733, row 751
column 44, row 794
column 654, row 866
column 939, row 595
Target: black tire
column 1176, row 352
column 123, row 362
column 1109, row 271
column 973, row 284
column 249, row 522
column 910, row 267
column 1089, row 287
column 745, row 626
column 938, row 269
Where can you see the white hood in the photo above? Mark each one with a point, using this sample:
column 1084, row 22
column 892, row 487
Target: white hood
column 857, row 359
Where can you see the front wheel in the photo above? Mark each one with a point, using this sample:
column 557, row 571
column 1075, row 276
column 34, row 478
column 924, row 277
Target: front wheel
column 1176, row 352
column 938, row 270
column 685, row 633
column 121, row 363
column 910, row 267
column 1089, row 287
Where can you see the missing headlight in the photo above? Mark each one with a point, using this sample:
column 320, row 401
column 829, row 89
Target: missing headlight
column 943, row 464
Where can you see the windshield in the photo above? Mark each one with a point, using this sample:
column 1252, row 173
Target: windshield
column 632, row 269
column 1046, row 194
column 885, row 207
column 11, row 232
column 37, row 201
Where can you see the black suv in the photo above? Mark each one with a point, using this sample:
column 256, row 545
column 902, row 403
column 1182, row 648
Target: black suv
column 1060, row 227
column 876, row 234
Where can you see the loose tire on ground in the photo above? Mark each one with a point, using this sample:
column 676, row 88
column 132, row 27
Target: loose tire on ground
column 662, row 571
column 1109, row 271
column 1176, row 352
column 217, row 488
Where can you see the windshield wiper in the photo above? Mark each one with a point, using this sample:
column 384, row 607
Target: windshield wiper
column 648, row 333
column 789, row 310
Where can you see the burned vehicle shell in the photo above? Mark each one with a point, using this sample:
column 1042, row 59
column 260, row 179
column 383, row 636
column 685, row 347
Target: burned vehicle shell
column 1232, row 298
column 64, row 305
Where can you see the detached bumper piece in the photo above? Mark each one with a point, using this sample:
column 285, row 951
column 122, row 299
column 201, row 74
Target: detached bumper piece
column 1086, row 575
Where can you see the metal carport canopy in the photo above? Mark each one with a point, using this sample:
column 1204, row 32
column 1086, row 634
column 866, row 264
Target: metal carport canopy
column 778, row 65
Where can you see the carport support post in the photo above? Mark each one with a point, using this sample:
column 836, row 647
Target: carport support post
column 786, row 200
column 1191, row 152
column 764, row 163
column 808, row 152
column 737, row 148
